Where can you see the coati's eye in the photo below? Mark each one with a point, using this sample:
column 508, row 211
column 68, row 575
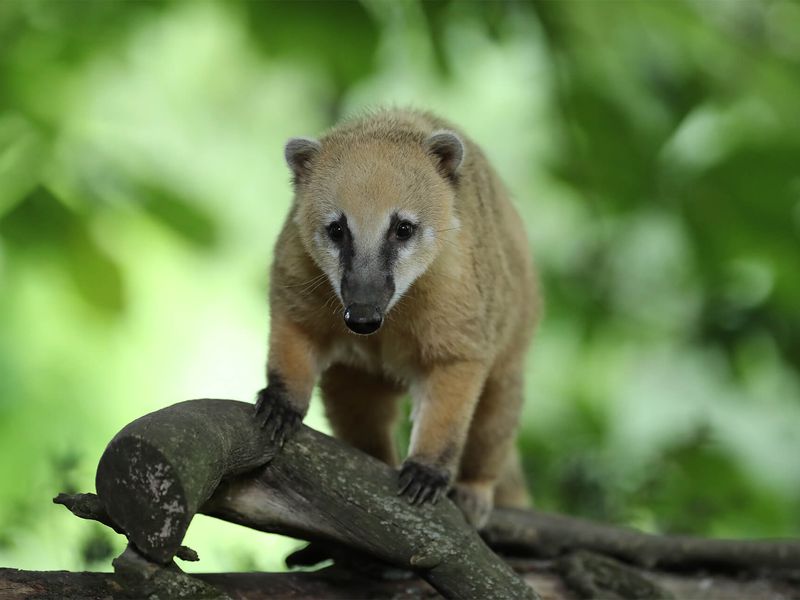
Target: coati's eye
column 336, row 231
column 404, row 230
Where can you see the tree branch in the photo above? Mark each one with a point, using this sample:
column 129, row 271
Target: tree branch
column 536, row 533
column 333, row 583
column 319, row 489
column 162, row 468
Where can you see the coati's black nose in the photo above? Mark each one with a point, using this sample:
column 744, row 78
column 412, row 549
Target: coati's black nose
column 363, row 318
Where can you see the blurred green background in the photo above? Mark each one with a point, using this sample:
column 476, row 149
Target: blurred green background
column 653, row 149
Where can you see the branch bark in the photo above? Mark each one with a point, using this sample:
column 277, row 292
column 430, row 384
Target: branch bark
column 158, row 471
column 337, row 584
column 162, row 468
column 536, row 533
column 199, row 456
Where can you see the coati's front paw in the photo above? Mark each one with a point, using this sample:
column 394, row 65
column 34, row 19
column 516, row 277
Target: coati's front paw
column 422, row 483
column 276, row 415
column 475, row 501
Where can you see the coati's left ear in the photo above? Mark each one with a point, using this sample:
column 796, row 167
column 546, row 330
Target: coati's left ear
column 448, row 150
column 299, row 153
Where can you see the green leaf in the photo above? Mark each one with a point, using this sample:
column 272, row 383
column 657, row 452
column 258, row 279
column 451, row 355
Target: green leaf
column 23, row 152
column 341, row 37
column 179, row 214
column 41, row 226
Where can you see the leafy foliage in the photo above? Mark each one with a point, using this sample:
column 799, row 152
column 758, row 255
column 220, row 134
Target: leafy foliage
column 652, row 149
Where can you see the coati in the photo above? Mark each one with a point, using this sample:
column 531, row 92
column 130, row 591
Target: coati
column 403, row 267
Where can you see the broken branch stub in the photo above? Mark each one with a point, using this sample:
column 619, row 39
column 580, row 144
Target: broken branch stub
column 159, row 470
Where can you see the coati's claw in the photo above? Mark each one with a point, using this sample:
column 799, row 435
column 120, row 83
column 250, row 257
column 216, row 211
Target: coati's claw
column 276, row 415
column 422, row 483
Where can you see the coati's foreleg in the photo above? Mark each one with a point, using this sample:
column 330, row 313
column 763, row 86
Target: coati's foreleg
column 489, row 445
column 444, row 402
column 291, row 373
column 362, row 409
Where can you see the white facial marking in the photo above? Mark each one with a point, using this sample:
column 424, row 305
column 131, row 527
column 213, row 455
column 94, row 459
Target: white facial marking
column 405, row 215
column 406, row 270
column 369, row 234
column 330, row 266
column 321, row 241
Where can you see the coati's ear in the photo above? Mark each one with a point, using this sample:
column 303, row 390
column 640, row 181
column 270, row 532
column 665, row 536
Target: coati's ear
column 299, row 153
column 448, row 150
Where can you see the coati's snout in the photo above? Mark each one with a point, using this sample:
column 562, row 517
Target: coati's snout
column 365, row 299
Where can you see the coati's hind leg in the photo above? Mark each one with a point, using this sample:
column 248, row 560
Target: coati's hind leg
column 512, row 490
column 489, row 445
column 362, row 409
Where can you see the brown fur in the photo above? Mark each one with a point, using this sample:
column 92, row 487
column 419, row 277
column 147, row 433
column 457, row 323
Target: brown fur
column 456, row 338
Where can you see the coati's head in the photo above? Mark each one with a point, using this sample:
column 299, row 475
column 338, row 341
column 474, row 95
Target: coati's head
column 371, row 209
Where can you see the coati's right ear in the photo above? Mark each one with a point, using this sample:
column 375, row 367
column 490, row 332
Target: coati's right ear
column 448, row 150
column 299, row 153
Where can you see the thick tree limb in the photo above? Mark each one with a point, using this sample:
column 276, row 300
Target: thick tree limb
column 161, row 469
column 319, row 489
column 539, row 534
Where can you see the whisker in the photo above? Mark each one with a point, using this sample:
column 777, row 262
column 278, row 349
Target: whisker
column 306, row 284
column 318, row 284
column 330, row 302
column 315, row 278
column 451, row 242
